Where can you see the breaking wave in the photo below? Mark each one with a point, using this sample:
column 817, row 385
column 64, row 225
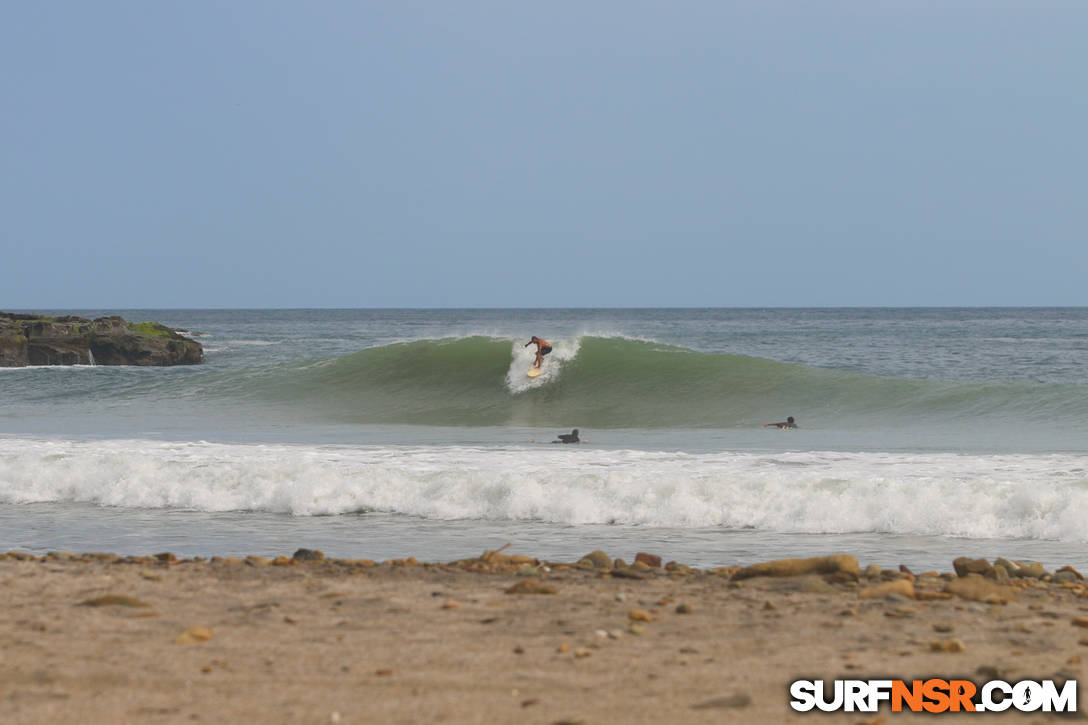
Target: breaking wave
column 976, row 496
column 617, row 382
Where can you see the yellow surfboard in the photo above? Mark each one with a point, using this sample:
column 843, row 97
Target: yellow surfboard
column 533, row 372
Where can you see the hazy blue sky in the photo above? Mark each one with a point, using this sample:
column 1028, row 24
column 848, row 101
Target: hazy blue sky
column 359, row 154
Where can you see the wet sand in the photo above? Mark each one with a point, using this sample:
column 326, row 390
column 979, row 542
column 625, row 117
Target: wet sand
column 107, row 639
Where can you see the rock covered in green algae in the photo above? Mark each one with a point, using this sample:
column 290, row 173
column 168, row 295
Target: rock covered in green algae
column 39, row 340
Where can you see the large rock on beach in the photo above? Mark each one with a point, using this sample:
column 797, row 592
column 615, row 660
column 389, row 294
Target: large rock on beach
column 14, row 347
column 1033, row 570
column 965, row 565
column 1068, row 574
column 37, row 340
column 597, row 559
column 844, row 564
column 980, row 590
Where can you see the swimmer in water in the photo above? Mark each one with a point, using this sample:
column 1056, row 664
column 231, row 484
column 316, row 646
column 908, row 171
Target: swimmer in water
column 571, row 437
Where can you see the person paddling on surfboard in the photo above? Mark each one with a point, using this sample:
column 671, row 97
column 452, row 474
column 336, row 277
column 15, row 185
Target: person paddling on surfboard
column 542, row 349
column 782, row 426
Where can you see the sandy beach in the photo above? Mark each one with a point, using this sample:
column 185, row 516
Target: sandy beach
column 98, row 638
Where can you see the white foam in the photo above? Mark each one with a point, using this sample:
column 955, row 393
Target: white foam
column 517, row 378
column 986, row 496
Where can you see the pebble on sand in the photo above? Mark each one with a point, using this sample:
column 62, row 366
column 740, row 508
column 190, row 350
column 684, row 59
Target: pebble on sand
column 114, row 600
column 531, row 586
column 740, row 699
column 630, row 573
column 901, row 587
column 834, row 564
column 193, row 634
column 874, row 720
column 948, row 645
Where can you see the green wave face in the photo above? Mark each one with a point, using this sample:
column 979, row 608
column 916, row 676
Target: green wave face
column 603, row 382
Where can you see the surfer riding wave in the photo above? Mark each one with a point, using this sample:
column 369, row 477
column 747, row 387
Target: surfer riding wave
column 543, row 347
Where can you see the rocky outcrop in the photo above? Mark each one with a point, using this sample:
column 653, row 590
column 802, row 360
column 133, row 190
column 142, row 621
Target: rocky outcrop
column 36, row 340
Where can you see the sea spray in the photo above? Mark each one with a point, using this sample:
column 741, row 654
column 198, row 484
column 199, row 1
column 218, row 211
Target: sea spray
column 517, row 378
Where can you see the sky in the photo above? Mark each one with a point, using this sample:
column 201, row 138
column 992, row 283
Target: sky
column 260, row 153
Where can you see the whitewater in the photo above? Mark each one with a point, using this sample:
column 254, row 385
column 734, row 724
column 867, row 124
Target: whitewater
column 925, row 434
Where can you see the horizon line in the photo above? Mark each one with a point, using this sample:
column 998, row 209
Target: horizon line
column 569, row 307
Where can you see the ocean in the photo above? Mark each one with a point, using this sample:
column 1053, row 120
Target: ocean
column 924, row 434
